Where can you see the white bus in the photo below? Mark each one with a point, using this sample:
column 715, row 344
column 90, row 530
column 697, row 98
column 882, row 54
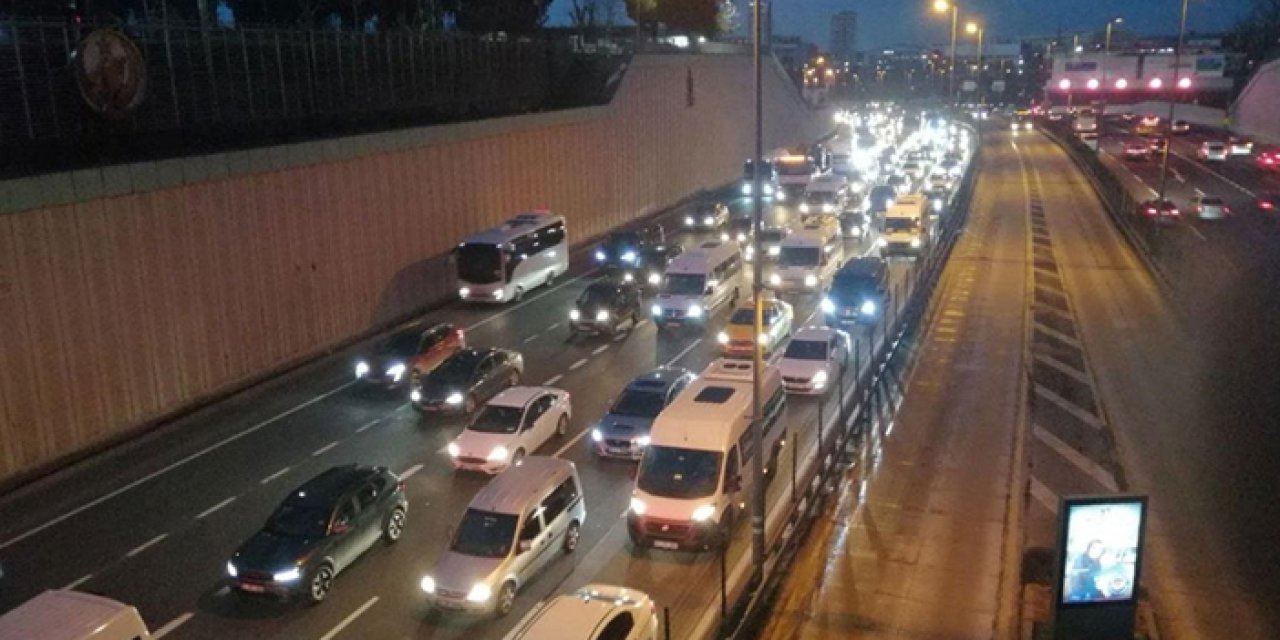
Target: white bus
column 697, row 282
column 809, row 257
column 504, row 263
column 696, row 470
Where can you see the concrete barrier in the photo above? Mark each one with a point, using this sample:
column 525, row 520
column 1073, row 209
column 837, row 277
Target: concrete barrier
column 132, row 292
column 1254, row 112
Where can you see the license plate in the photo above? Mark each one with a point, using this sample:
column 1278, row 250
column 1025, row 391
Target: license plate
column 665, row 544
column 672, row 325
column 253, row 588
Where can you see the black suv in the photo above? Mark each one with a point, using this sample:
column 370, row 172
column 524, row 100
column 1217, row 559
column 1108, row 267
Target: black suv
column 858, row 293
column 637, row 256
column 605, row 306
column 319, row 530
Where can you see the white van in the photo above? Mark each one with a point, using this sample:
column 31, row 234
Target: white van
column 906, row 228
column 71, row 615
column 523, row 520
column 695, row 475
column 808, row 258
column 826, row 193
column 698, row 281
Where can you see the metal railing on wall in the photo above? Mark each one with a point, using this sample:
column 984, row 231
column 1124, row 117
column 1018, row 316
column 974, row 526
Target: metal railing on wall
column 211, row 81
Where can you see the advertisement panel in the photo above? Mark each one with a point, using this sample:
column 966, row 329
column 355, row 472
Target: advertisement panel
column 1101, row 550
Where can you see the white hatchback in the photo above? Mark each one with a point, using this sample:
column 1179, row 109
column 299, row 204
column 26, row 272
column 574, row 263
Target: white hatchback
column 513, row 424
column 814, row 360
column 594, row 612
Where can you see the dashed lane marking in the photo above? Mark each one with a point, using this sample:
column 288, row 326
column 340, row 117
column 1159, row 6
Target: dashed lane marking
column 207, row 512
column 322, row 450
column 531, row 338
column 410, row 471
column 578, row 364
column 552, row 380
column 146, row 545
column 172, row 624
column 364, row 427
column 274, row 475
column 600, row 349
column 349, row 619
column 1091, row 468
column 683, row 353
column 83, row 579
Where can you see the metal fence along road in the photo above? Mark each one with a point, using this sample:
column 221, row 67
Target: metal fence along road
column 206, row 83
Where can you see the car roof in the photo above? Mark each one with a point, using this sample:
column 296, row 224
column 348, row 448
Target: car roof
column 518, row 396
column 513, row 489
column 473, row 353
column 661, row 377
column 865, row 267
column 815, row 333
column 331, row 483
column 574, row 615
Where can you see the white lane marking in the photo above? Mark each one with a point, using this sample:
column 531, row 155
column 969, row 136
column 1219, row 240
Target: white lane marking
column 1225, row 179
column 571, row 442
column 1102, row 476
column 528, row 300
column 642, row 323
column 207, row 512
column 1054, row 333
column 410, row 471
column 171, row 625
column 83, row 579
column 531, row 338
column 1063, row 367
column 146, row 545
column 1068, row 406
column 1177, row 176
column 1044, row 495
column 553, row 327
column 579, row 363
column 155, row 474
column 600, row 349
column 321, row 451
column 274, row 475
column 683, row 353
column 364, row 427
column 623, row 336
column 552, row 380
column 349, row 619
column 1196, row 231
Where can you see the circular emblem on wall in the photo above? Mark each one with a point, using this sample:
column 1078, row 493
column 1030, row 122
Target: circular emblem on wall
column 111, row 73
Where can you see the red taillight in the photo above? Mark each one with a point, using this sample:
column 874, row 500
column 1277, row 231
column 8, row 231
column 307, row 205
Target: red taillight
column 1264, row 204
column 1151, row 211
column 1226, row 209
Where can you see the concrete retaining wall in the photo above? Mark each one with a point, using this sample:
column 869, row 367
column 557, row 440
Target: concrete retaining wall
column 130, row 292
column 1256, row 112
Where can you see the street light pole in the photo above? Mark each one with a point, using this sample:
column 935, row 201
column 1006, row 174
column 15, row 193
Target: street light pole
column 757, row 213
column 1168, row 125
column 940, row 6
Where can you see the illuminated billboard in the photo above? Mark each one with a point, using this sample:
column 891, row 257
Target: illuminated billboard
column 1102, row 549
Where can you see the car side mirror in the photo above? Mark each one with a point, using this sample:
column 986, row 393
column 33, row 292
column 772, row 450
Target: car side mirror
column 709, row 290
column 340, row 527
column 525, row 545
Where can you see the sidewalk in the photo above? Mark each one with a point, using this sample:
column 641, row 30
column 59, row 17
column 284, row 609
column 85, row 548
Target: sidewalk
column 915, row 546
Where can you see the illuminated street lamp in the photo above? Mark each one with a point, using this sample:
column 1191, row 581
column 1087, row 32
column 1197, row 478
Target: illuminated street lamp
column 975, row 28
column 1110, row 23
column 943, row 6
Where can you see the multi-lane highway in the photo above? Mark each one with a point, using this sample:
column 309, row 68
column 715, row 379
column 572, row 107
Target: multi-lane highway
column 152, row 523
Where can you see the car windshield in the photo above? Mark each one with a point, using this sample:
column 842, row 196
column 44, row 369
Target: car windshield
column 497, row 419
column 401, row 345
column 849, row 291
column 299, row 519
column 682, row 474
column 595, row 297
column 479, row 263
column 899, row 224
column 640, row 403
column 456, row 369
column 820, row 197
column 772, row 235
column 799, row 256
column 807, row 350
column 485, row 534
column 685, row 284
column 794, row 169
column 1213, row 202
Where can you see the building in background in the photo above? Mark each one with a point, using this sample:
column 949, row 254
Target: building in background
column 844, row 35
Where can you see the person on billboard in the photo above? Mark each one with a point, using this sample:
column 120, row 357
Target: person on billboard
column 1082, row 573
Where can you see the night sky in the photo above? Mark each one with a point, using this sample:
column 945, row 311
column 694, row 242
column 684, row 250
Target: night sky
column 912, row 21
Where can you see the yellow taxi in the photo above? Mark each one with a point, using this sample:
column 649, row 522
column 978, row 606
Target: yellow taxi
column 735, row 340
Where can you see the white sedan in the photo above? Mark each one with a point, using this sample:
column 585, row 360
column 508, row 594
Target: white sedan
column 814, row 360
column 594, row 612
column 513, row 424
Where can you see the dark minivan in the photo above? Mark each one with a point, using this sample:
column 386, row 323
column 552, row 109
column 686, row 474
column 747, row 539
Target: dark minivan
column 858, row 293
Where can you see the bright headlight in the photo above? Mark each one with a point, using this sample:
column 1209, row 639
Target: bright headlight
column 742, row 237
column 415, row 396
column 498, row 454
column 396, row 371
column 827, row 305
column 915, row 243
column 880, row 242
column 600, row 256
column 703, row 513
column 819, row 378
column 453, row 449
column 746, row 189
column 602, row 315
column 781, row 195
column 767, row 189
column 773, row 251
column 629, row 256
column 464, row 292
column 574, row 314
column 497, row 295
column 655, row 278
column 722, row 338
column 231, row 569
column 811, row 280
column 804, row 207
column 643, row 441
column 428, row 584
column 479, row 593
column 708, row 221
column 628, row 277
column 454, row 398
column 828, row 208
column 362, row 369
column 596, row 435
column 868, row 308
column 763, row 338
column 655, row 310
column 775, row 279
column 688, row 221
column 638, row 506
column 288, row 575
column 695, row 311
